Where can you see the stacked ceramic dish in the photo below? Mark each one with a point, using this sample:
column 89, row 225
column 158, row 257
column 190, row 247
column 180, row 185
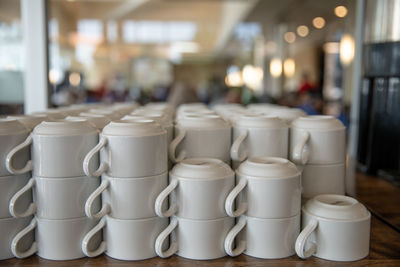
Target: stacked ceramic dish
column 134, row 170
column 60, row 189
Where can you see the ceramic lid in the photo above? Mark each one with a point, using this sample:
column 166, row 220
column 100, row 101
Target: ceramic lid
column 288, row 114
column 30, row 121
column 10, row 126
column 268, row 167
column 63, row 127
column 134, row 127
column 319, row 122
column 112, row 114
column 98, row 120
column 202, row 168
column 336, row 207
column 159, row 118
column 259, row 121
column 202, row 121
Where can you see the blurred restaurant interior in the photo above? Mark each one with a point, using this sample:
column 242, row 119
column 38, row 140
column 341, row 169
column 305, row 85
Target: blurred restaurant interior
column 330, row 57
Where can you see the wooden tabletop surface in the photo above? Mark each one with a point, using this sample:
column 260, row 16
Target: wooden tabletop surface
column 380, row 197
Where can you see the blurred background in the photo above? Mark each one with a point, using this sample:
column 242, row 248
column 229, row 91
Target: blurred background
column 338, row 57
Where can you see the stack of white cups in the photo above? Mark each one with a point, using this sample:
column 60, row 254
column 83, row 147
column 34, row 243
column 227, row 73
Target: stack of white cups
column 199, row 224
column 133, row 169
column 60, row 189
column 199, row 133
column 317, row 146
column 12, row 132
column 268, row 196
column 258, row 136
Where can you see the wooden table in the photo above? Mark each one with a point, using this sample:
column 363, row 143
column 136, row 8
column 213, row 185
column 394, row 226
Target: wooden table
column 380, row 197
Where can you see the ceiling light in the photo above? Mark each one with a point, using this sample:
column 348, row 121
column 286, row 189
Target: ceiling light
column 289, row 67
column 346, row 49
column 275, row 67
column 290, row 37
column 341, row 11
column 318, row 22
column 302, row 30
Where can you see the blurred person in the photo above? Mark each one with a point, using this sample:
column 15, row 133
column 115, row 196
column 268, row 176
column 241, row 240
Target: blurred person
column 310, row 105
column 181, row 93
column 306, row 85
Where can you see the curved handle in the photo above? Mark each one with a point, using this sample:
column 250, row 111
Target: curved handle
column 300, row 154
column 235, row 149
column 105, row 209
column 90, row 235
column 174, row 144
column 230, row 200
column 162, row 197
column 302, row 239
column 11, row 154
column 14, row 243
column 173, row 248
column 86, row 162
column 230, row 239
column 12, row 205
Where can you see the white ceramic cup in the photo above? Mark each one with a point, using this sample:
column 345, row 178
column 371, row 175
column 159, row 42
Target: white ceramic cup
column 112, row 114
column 207, row 136
column 263, row 238
column 58, row 149
column 195, row 239
column 267, row 188
column 9, row 185
column 288, row 114
column 130, row 149
column 56, row 198
column 125, row 239
column 317, row 140
column 127, row 198
column 56, row 239
column 9, row 227
column 335, row 228
column 12, row 133
column 198, row 188
column 259, row 136
column 322, row 179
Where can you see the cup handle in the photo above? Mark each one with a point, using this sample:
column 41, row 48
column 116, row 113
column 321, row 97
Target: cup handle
column 300, row 154
column 164, row 196
column 103, row 166
column 230, row 238
column 235, row 149
column 173, row 248
column 105, row 209
column 302, row 239
column 32, row 206
column 86, row 240
column 11, row 154
column 174, row 144
column 14, row 243
column 230, row 200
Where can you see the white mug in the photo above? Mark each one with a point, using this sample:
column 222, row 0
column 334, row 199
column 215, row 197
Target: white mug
column 198, row 188
column 30, row 121
column 259, row 136
column 9, row 185
column 322, row 179
column 195, row 239
column 288, row 114
column 197, row 136
column 58, row 149
column 112, row 114
column 56, row 198
column 263, row 238
column 130, row 149
column 56, row 239
column 267, row 188
column 317, row 140
column 126, row 198
column 9, row 227
column 12, row 133
column 335, row 228
column 125, row 239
